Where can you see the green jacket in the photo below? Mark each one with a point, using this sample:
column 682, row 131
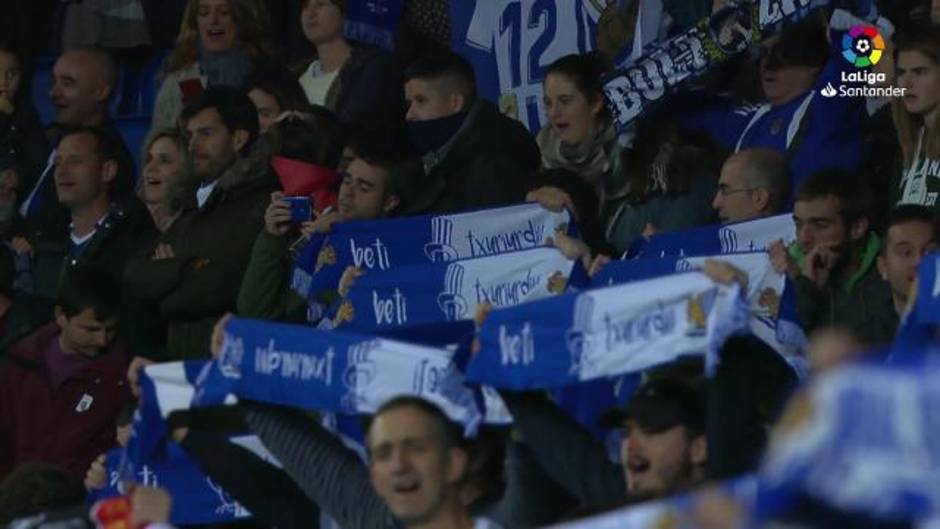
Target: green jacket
column 265, row 291
column 212, row 245
column 862, row 302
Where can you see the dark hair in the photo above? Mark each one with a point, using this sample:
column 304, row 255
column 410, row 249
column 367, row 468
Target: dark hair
column 852, row 191
column 7, row 272
column 236, row 110
column 401, row 174
column 803, row 43
column 448, row 67
column 341, row 4
column 585, row 202
column 34, row 488
column 23, row 94
column 450, row 432
column 280, row 84
column 586, row 72
column 318, row 139
column 106, row 143
column 910, row 213
column 88, row 288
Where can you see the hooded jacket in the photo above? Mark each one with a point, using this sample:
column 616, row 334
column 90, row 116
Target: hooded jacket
column 211, row 247
column 862, row 302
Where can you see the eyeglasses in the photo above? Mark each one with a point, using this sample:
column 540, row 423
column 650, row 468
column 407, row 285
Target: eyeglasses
column 725, row 190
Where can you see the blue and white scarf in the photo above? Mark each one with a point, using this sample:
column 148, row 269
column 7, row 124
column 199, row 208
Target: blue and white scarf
column 197, row 499
column 150, row 458
column 436, row 292
column 380, row 245
column 332, row 371
column 373, row 21
column 747, row 236
column 862, row 439
column 766, row 295
column 665, row 65
column 606, row 332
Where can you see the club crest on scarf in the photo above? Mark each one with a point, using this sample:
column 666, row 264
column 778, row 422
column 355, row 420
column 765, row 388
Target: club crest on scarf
column 557, row 282
column 346, row 313
column 698, row 309
column 770, row 301
column 230, row 358
column 326, row 257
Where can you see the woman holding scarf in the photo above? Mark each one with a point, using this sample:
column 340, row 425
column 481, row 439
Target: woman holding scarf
column 656, row 184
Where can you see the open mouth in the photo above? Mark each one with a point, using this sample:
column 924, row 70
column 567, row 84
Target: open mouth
column 638, row 465
column 215, row 34
column 409, row 486
column 560, row 128
column 153, row 181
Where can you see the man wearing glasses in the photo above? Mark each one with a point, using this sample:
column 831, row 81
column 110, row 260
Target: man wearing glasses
column 754, row 183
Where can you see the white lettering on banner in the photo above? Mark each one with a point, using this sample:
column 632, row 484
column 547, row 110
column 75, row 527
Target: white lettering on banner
column 374, row 255
column 531, row 236
column 304, row 367
column 508, row 293
column 646, row 327
column 517, row 349
column 427, row 378
column 391, row 311
column 147, row 477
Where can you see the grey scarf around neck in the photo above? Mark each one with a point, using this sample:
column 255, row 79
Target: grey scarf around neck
column 225, row 68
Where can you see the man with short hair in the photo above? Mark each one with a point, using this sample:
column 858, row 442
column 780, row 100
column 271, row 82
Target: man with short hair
column 418, row 467
column 753, row 183
column 911, row 233
column 663, row 450
column 473, row 156
column 417, row 461
column 832, row 262
column 371, row 188
column 63, row 385
column 101, row 230
column 83, row 82
column 194, row 273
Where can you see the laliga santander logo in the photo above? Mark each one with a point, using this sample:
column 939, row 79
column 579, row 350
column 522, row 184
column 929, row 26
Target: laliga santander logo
column 863, row 46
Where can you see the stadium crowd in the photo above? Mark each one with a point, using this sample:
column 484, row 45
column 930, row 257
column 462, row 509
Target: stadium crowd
column 274, row 129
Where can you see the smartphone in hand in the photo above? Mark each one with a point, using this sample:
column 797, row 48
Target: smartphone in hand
column 301, row 209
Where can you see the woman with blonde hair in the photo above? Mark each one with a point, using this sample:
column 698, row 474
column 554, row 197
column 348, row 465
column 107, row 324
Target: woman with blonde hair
column 165, row 157
column 917, row 115
column 219, row 44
